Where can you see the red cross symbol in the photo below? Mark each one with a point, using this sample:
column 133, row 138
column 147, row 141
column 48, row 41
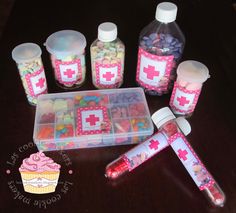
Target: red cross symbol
column 92, row 119
column 151, row 72
column 69, row 73
column 182, row 101
column 182, row 154
column 154, row 144
column 108, row 76
column 40, row 83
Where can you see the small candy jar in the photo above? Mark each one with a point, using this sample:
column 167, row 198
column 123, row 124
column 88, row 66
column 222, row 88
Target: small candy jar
column 67, row 49
column 187, row 88
column 28, row 59
column 107, row 58
column 161, row 45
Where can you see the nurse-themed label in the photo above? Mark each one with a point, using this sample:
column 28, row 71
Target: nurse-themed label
column 153, row 71
column 68, row 72
column 191, row 161
column 36, row 83
column 92, row 120
column 146, row 150
column 108, row 75
column 182, row 100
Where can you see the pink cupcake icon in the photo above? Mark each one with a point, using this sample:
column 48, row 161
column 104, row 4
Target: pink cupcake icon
column 39, row 174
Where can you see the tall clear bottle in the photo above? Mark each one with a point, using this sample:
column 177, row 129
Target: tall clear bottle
column 161, row 44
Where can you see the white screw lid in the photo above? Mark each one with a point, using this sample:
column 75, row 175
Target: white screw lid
column 184, row 125
column 26, row 52
column 162, row 116
column 107, row 32
column 193, row 71
column 166, row 12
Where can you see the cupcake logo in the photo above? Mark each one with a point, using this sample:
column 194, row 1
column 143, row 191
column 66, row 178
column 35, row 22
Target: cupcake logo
column 39, row 174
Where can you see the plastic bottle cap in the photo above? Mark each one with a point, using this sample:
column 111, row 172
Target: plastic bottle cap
column 26, row 52
column 184, row 125
column 193, row 71
column 162, row 116
column 107, row 32
column 166, row 12
column 65, row 42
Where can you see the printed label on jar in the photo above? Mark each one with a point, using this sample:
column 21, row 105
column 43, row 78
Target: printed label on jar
column 182, row 100
column 153, row 71
column 147, row 149
column 36, row 83
column 68, row 72
column 191, row 161
column 108, row 75
column 92, row 120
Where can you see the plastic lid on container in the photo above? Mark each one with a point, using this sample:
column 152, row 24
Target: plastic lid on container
column 162, row 116
column 166, row 12
column 65, row 42
column 107, row 32
column 193, row 71
column 26, row 52
column 184, row 125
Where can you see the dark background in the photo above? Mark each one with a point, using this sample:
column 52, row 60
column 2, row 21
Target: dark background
column 161, row 184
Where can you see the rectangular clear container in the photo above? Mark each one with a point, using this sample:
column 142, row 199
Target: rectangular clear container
column 95, row 118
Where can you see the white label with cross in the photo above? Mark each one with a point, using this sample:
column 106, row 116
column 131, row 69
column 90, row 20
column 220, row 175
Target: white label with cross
column 68, row 72
column 183, row 100
column 191, row 161
column 153, row 71
column 146, row 150
column 91, row 120
column 107, row 75
column 39, row 83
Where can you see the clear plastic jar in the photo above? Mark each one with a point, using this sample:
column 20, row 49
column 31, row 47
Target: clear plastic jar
column 161, row 45
column 67, row 49
column 107, row 58
column 190, row 77
column 28, row 59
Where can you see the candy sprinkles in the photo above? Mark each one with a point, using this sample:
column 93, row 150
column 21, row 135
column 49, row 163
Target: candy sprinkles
column 161, row 46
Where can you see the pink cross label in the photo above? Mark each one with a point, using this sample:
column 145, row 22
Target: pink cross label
column 153, row 71
column 191, row 162
column 68, row 72
column 183, row 101
column 146, row 150
column 154, row 144
column 90, row 120
column 36, row 83
column 107, row 75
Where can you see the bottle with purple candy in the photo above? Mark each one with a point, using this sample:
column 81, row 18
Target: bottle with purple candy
column 161, row 45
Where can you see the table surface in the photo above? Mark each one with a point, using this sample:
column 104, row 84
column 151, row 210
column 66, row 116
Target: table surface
column 159, row 185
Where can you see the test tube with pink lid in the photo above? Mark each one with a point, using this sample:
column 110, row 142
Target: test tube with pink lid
column 190, row 77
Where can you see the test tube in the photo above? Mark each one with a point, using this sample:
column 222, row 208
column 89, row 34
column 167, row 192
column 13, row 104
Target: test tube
column 144, row 151
column 192, row 163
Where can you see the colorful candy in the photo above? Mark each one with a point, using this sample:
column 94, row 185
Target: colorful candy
column 45, row 132
column 91, row 99
column 31, row 70
column 68, row 57
column 64, row 130
column 107, row 57
column 161, row 46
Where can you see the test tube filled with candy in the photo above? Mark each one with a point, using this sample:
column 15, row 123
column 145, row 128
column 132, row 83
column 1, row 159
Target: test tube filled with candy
column 28, row 59
column 190, row 77
column 67, row 49
column 198, row 172
column 107, row 57
column 144, row 151
column 161, row 44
